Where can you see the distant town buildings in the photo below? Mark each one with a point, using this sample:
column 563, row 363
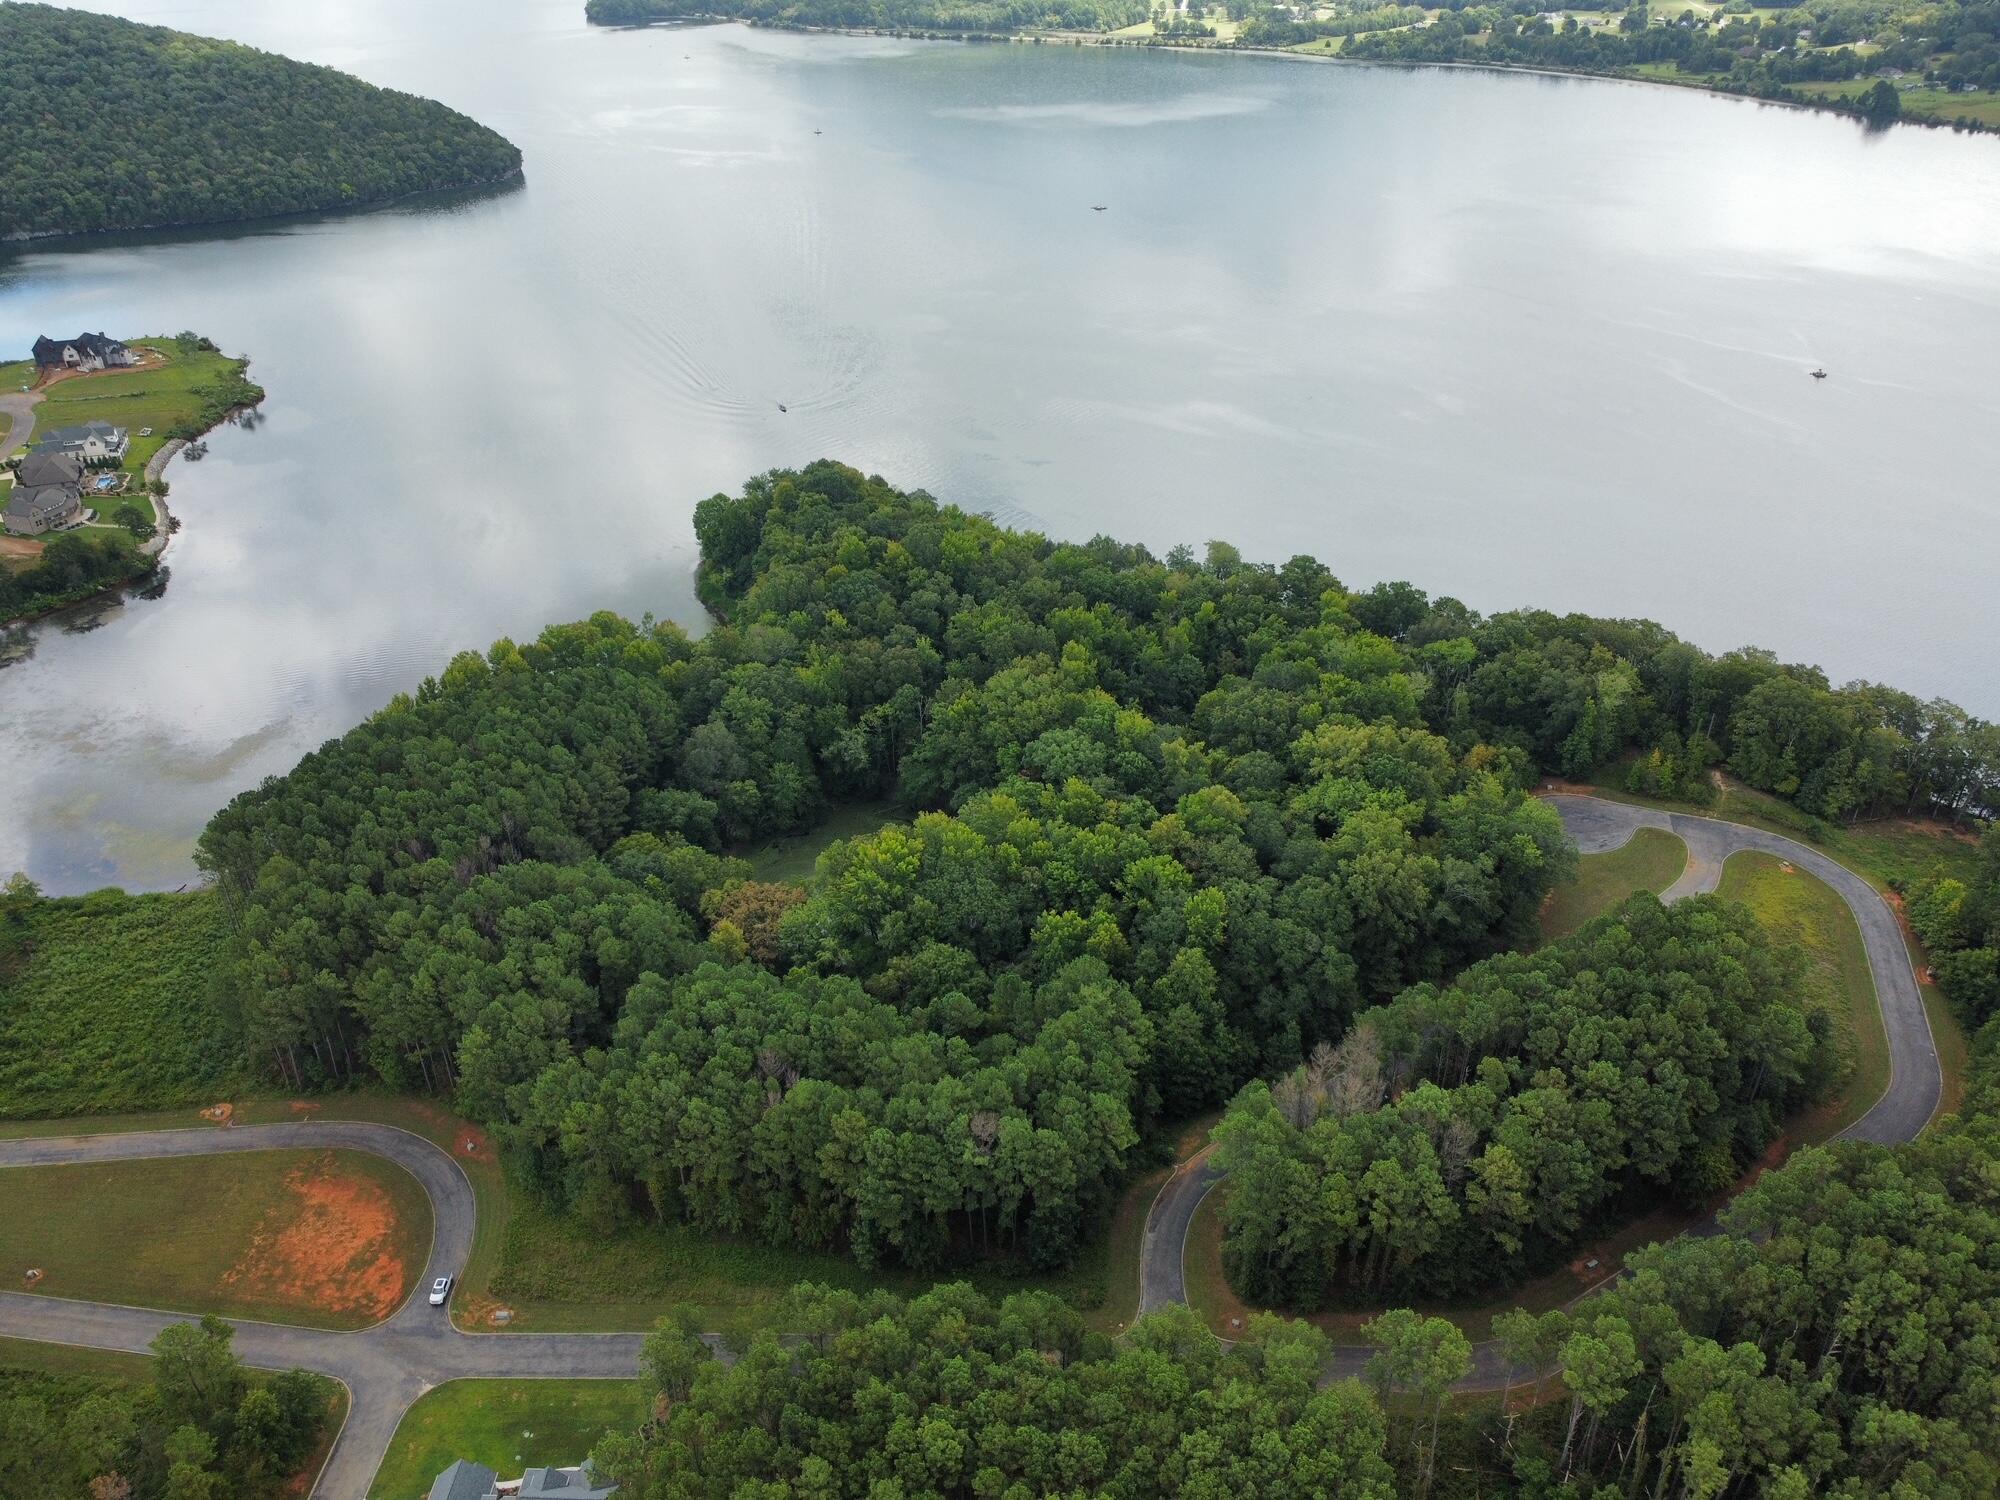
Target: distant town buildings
column 87, row 351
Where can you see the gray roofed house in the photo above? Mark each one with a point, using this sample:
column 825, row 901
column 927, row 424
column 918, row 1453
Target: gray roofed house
column 469, row 1481
column 563, row 1484
column 40, row 468
column 464, row 1481
column 87, row 351
column 90, row 441
column 35, row 508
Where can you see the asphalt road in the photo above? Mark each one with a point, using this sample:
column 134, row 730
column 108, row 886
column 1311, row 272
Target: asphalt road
column 1915, row 1081
column 20, row 407
column 384, row 1368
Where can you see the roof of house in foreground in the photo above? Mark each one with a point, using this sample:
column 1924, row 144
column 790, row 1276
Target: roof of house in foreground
column 464, row 1480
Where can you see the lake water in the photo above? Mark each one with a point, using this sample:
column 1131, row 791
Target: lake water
column 1523, row 340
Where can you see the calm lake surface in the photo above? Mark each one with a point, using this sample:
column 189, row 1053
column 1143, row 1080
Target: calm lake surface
column 1522, row 340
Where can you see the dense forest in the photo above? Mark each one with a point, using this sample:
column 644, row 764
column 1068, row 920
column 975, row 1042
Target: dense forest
column 904, row 15
column 113, row 125
column 1178, row 823
column 1459, row 1134
column 202, row 1428
column 1840, row 1337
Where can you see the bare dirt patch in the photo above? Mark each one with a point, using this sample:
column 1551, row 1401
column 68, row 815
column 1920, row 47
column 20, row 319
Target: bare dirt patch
column 19, row 548
column 332, row 1248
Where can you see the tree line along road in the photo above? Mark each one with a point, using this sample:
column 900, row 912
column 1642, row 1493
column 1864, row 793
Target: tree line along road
column 1916, row 1083
column 385, row 1368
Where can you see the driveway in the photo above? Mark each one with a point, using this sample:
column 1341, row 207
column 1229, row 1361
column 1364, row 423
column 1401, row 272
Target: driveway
column 384, row 1368
column 1916, row 1083
column 20, row 407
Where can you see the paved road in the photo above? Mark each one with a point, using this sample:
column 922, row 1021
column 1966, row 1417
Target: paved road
column 1915, row 1081
column 20, row 407
column 384, row 1368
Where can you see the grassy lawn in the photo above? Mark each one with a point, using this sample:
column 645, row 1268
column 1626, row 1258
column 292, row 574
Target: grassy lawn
column 1802, row 912
column 161, row 397
column 112, row 1009
column 1652, row 861
column 327, row 1239
column 556, row 1275
column 71, row 1362
column 791, row 856
column 508, row 1425
column 1938, row 104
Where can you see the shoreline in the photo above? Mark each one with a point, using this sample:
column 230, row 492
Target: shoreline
column 151, row 550
column 39, row 236
column 1829, row 105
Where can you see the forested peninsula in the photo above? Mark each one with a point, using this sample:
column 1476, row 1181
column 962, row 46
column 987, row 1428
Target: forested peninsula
column 1157, row 836
column 112, row 125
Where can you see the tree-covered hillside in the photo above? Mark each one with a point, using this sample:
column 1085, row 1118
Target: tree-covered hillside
column 113, row 125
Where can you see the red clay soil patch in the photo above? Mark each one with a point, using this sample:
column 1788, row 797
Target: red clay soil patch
column 219, row 1114
column 333, row 1249
column 305, row 1108
column 27, row 549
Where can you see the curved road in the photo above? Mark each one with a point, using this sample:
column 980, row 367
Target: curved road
column 20, row 407
column 1915, row 1081
column 388, row 1366
column 384, row 1368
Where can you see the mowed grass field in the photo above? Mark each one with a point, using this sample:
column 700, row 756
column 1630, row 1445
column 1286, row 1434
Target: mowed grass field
column 1803, row 913
column 1651, row 861
column 112, row 1009
column 508, row 1425
column 791, row 857
column 326, row 1239
column 159, row 397
column 555, row 1274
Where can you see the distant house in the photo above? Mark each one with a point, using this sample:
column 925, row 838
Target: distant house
column 92, row 442
column 47, row 495
column 87, row 351
column 465, row 1480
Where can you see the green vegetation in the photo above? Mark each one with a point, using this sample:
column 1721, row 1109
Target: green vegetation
column 106, row 1003
column 327, row 1239
column 930, row 15
column 792, row 857
column 186, row 388
column 162, row 128
column 508, row 1425
column 1651, row 861
column 1464, row 1138
column 189, row 392
column 189, row 1424
column 1806, row 916
column 1820, row 53
column 952, row 1394
column 1958, row 918
column 69, row 569
column 557, row 1275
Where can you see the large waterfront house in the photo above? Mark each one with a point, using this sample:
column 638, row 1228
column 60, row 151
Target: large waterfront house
column 87, row 351
column 92, row 442
column 466, row 1480
column 47, row 495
